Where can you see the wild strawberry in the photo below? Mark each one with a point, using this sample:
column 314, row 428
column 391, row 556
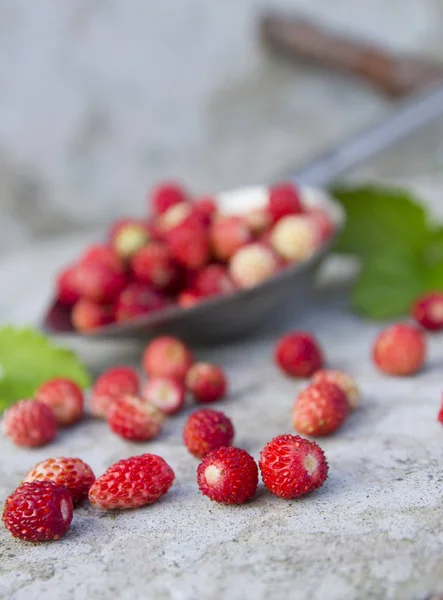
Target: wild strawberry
column 295, row 238
column 166, row 394
column 167, row 357
column 189, row 244
column 228, row 475
column 206, row 430
column 138, row 299
column 322, row 221
column 400, row 350
column 134, row 418
column 214, row 280
column 165, row 195
column 102, row 254
column 252, row 265
column 40, row 511
column 320, row 409
column 132, row 482
column 174, row 216
column 64, row 397
column 298, row 354
column 74, row 474
column 206, row 382
column 292, row 466
column 428, row 311
column 110, row 385
column 130, row 237
column 30, row 423
column 154, row 265
column 188, row 298
column 228, row 234
column 66, row 289
column 284, row 200
column 344, row 381
column 258, row 221
column 87, row 315
column 206, row 209
column 98, row 282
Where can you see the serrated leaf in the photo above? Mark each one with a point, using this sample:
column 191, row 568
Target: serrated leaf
column 28, row 358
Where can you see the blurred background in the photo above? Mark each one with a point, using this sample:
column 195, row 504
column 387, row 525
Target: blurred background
column 102, row 98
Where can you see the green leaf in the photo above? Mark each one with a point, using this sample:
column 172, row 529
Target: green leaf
column 28, row 358
column 381, row 220
column 388, row 285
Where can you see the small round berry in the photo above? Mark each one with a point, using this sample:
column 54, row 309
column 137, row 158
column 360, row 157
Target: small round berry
column 154, row 265
column 428, row 311
column 88, row 315
column 344, row 381
column 73, row 473
column 174, row 216
column 40, row 511
column 132, row 482
column 130, row 237
column 252, row 265
column 206, row 209
column 66, row 288
column 103, row 254
column 213, row 280
column 166, row 394
column 134, row 418
column 111, row 384
column 320, row 409
column 189, row 244
column 284, row 200
column 298, row 354
column 206, row 430
column 292, row 466
column 228, row 234
column 167, row 357
column 165, row 195
column 295, row 238
column 259, row 221
column 30, row 423
column 138, row 299
column 207, row 382
column 99, row 282
column 64, row 397
column 400, row 350
column 228, row 475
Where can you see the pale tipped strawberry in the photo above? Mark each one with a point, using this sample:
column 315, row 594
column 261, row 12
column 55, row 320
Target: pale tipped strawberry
column 292, row 466
column 295, row 238
column 111, row 384
column 30, row 423
column 320, row 409
column 167, row 395
column 130, row 237
column 206, row 382
column 252, row 264
column 134, row 418
column 427, row 311
column 344, row 381
column 167, row 357
column 64, row 397
column 229, row 234
column 132, row 483
column 88, row 315
column 165, row 195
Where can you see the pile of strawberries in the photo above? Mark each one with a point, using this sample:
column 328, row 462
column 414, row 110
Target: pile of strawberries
column 186, row 252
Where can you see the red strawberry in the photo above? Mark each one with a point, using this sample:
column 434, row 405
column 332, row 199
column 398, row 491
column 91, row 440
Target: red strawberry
column 65, row 398
column 40, row 511
column 166, row 394
column 206, row 209
column 298, row 354
column 320, row 409
column 102, row 254
column 206, row 430
column 137, row 299
column 111, row 384
column 292, row 466
column 428, row 311
column 229, row 234
column 206, row 382
column 228, row 475
column 134, row 418
column 167, row 357
column 132, row 482
column 30, row 423
column 189, row 244
column 66, row 289
column 344, row 381
column 73, row 473
column 400, row 350
column 284, row 199
column 165, row 195
column 98, row 282
column 155, row 266
column 87, row 315
column 129, row 237
column 214, row 280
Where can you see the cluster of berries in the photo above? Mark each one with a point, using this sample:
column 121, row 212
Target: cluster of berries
column 187, row 252
column 41, row 508
column 132, row 411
